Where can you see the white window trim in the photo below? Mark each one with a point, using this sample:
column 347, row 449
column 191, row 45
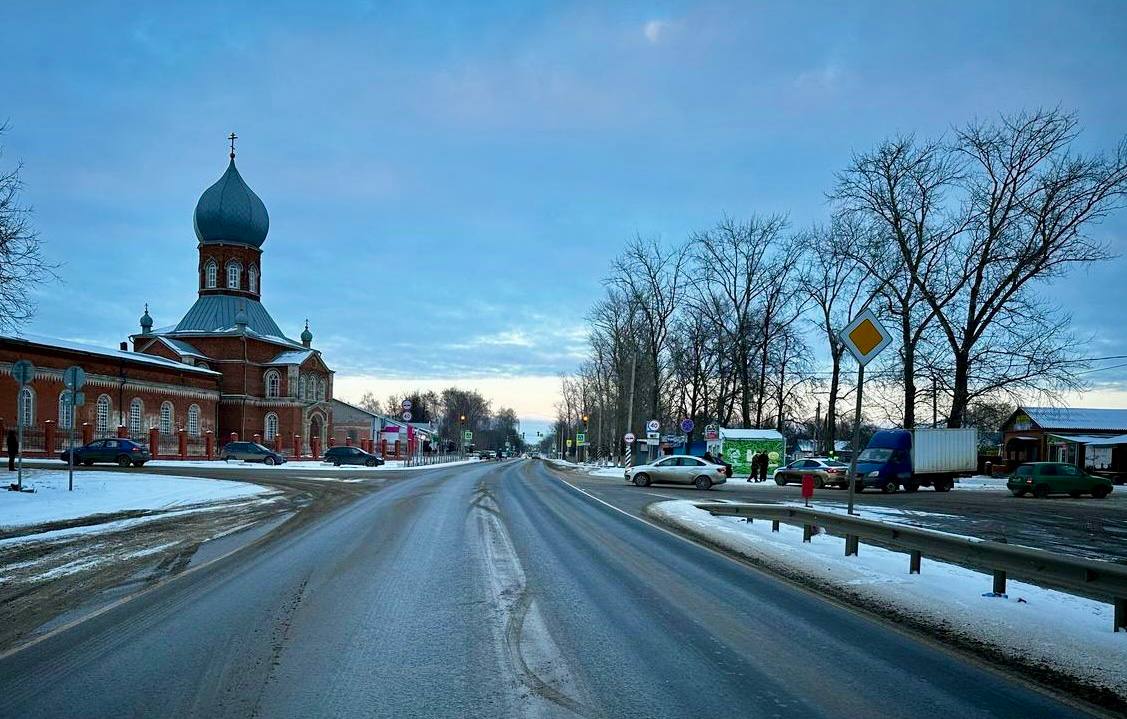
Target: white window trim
column 268, row 431
column 102, row 413
column 211, row 275
column 273, row 383
column 136, row 421
column 66, row 412
column 166, row 423
column 234, row 272
column 194, row 420
column 27, row 406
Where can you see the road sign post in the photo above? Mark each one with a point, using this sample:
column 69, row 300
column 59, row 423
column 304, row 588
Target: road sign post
column 629, row 439
column 23, row 372
column 73, row 379
column 865, row 337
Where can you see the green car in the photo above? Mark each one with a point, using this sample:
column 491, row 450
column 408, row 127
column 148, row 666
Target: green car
column 1044, row 478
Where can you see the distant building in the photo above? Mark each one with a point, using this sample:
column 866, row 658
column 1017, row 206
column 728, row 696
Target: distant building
column 353, row 424
column 1086, row 437
column 225, row 367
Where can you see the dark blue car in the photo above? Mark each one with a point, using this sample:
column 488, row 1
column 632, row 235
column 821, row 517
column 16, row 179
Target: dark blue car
column 122, row 452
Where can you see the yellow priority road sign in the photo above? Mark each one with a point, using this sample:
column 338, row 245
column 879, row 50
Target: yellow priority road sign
column 865, row 337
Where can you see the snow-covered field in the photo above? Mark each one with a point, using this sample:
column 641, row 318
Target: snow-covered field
column 1033, row 625
column 110, row 492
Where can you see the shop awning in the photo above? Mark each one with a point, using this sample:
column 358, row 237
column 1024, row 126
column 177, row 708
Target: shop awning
column 1091, row 439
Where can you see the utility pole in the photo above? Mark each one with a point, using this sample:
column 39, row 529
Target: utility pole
column 818, row 428
column 630, row 411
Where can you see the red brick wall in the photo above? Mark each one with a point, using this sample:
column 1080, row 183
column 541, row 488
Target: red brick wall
column 222, row 254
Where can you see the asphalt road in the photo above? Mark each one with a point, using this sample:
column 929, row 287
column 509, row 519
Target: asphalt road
column 492, row 590
column 1085, row 527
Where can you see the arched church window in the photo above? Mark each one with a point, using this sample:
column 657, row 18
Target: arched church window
column 273, row 383
column 210, row 274
column 166, row 418
column 66, row 411
column 103, row 413
column 252, row 278
column 27, row 406
column 194, row 420
column 271, row 429
column 301, row 386
column 234, row 270
column 136, row 413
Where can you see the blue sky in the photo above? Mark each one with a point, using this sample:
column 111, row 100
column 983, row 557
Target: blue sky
column 447, row 183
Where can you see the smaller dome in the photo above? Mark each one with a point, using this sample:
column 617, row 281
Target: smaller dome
column 229, row 211
column 241, row 317
column 146, row 320
column 306, row 335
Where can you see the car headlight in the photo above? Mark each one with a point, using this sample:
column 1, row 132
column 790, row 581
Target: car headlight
column 873, row 474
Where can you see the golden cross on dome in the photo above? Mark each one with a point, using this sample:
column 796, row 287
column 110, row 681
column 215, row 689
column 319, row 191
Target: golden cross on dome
column 232, row 137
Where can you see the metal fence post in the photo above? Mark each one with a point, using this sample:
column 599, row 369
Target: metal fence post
column 774, row 525
column 807, row 532
column 999, row 581
column 914, row 563
column 1120, row 620
column 851, row 545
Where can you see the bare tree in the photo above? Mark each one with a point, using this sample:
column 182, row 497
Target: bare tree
column 838, row 287
column 22, row 264
column 1005, row 206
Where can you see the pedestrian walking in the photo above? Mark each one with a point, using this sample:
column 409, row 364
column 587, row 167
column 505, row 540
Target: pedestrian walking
column 13, row 449
column 764, row 460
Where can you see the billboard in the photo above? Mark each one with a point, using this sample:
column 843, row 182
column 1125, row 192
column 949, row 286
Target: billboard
column 738, row 452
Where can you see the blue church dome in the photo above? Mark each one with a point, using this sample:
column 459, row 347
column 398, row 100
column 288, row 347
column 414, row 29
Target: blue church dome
column 229, row 211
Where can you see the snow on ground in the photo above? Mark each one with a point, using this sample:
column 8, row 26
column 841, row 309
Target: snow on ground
column 1033, row 625
column 616, row 472
column 109, row 492
column 981, row 481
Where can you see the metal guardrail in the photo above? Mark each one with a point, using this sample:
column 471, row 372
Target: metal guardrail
column 1083, row 577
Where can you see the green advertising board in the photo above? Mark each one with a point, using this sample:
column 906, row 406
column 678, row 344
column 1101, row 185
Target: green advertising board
column 738, row 453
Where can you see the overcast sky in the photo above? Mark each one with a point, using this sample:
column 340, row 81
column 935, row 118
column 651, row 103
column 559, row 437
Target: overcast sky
column 446, row 185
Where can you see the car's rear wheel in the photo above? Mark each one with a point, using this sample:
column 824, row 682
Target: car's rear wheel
column 1041, row 491
column 641, row 480
column 943, row 485
column 781, row 481
column 1100, row 491
column 336, row 463
column 124, row 461
column 371, row 462
column 702, row 482
column 890, row 487
column 819, row 483
column 269, row 462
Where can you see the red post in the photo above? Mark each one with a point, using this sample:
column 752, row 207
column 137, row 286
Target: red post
column 183, row 440
column 122, row 433
column 257, row 438
column 397, row 449
column 332, row 441
column 297, row 446
column 233, row 437
column 49, row 436
column 154, row 441
column 348, row 441
column 807, row 487
column 315, row 447
column 383, row 448
column 209, row 444
column 87, row 433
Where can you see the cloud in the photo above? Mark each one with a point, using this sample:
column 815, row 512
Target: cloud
column 821, row 78
column 655, row 29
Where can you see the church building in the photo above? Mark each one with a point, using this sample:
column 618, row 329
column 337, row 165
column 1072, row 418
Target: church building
column 226, row 367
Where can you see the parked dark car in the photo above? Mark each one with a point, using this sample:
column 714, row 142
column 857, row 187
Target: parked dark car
column 827, row 472
column 352, row 455
column 122, row 452
column 1044, row 478
column 251, row 452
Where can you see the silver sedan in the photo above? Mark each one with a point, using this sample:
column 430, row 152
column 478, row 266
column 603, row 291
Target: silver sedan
column 678, row 469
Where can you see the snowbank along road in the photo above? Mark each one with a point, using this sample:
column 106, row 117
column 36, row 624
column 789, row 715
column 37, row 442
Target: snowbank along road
column 492, row 590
